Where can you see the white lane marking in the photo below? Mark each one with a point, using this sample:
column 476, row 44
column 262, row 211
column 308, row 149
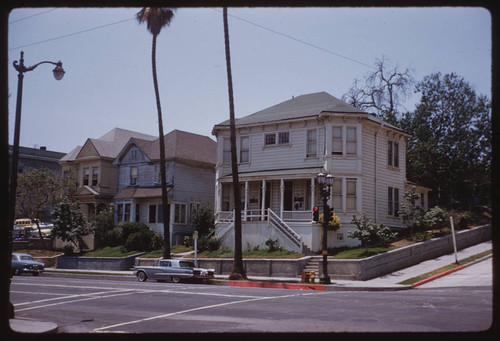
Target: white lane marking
column 66, row 296
column 191, row 310
column 77, row 300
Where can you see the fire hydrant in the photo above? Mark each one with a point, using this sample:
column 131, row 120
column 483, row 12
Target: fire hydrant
column 312, row 276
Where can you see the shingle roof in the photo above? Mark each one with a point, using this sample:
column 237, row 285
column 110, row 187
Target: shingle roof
column 110, row 144
column 298, row 107
column 180, row 145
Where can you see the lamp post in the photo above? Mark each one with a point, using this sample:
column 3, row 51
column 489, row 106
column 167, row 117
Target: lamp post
column 58, row 73
column 325, row 182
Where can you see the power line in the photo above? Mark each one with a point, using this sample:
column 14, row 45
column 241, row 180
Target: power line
column 72, row 34
column 31, row 16
column 298, row 40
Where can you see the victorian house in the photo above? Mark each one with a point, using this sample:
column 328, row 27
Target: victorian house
column 92, row 169
column 190, row 167
column 282, row 149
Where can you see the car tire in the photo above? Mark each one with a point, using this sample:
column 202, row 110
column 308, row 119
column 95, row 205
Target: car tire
column 16, row 272
column 141, row 276
column 176, row 279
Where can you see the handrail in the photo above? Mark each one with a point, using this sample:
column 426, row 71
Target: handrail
column 283, row 227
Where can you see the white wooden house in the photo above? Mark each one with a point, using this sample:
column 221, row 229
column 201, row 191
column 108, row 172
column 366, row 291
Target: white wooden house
column 190, row 167
column 281, row 150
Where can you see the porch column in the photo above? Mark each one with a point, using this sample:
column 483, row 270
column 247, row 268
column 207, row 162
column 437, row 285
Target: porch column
column 245, row 207
column 218, row 201
column 282, row 196
column 313, row 194
column 263, row 206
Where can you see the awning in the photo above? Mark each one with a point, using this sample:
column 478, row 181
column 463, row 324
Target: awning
column 139, row 193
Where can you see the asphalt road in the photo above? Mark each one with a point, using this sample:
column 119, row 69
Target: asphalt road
column 106, row 306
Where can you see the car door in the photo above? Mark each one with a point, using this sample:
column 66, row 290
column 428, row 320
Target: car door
column 164, row 270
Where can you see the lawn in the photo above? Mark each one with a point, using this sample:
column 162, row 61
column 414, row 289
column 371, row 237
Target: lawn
column 226, row 253
column 359, row 253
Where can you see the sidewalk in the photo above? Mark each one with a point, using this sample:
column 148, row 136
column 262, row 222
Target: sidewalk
column 387, row 282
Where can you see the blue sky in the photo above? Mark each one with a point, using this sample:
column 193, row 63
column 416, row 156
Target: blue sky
column 107, row 58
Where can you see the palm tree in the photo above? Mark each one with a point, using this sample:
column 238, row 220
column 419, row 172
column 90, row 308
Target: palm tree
column 156, row 18
column 238, row 272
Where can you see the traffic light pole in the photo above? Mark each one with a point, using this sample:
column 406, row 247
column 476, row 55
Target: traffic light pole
column 325, row 193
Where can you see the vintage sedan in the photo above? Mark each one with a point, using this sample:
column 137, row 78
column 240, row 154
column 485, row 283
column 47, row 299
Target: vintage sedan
column 174, row 270
column 22, row 262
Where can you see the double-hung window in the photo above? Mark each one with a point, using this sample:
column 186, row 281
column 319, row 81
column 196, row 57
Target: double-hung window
column 351, row 195
column 180, row 214
column 393, row 201
column 86, row 176
column 337, row 194
column 351, row 141
column 133, row 176
column 312, row 143
column 393, row 154
column 226, row 150
column 337, row 144
column 245, row 149
column 345, row 141
column 95, row 175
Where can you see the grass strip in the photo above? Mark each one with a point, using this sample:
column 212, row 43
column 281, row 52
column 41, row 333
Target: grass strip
column 426, row 275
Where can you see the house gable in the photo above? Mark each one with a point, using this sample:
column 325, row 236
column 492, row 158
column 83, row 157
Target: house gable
column 87, row 151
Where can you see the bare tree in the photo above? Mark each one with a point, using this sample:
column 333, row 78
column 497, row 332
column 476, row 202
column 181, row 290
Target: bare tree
column 383, row 90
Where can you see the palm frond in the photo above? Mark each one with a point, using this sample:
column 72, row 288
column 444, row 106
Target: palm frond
column 156, row 18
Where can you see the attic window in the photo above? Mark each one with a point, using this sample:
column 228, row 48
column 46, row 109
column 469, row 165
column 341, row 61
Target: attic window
column 133, row 154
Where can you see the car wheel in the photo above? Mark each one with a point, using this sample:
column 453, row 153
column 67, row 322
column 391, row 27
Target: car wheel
column 176, row 279
column 141, row 276
column 16, row 272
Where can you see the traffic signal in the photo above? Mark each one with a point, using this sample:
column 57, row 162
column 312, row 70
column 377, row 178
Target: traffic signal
column 316, row 214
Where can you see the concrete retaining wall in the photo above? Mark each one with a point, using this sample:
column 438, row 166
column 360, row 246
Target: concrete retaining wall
column 253, row 267
column 97, row 263
column 385, row 263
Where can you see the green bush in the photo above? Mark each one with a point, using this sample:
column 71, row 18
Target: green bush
column 140, row 241
column 157, row 242
column 112, row 238
column 272, row 244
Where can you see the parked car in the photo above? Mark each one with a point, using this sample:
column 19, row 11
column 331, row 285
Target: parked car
column 22, row 262
column 174, row 270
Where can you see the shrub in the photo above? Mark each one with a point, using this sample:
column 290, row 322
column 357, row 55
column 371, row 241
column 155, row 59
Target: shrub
column 206, row 243
column 140, row 241
column 369, row 233
column 157, row 242
column 272, row 244
column 113, row 238
column 435, row 218
column 129, row 228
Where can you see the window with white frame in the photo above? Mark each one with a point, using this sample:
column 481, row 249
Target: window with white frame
column 180, row 214
column 337, row 143
column 86, row 176
column 393, row 202
column 351, row 195
column 337, row 194
column 157, row 172
column 133, row 176
column 393, row 154
column 244, row 149
column 226, row 150
column 279, row 138
column 95, row 175
column 351, row 141
column 123, row 211
column 312, row 143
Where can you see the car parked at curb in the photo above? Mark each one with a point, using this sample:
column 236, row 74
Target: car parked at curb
column 22, row 262
column 174, row 270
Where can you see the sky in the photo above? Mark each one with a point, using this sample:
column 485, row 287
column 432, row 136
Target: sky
column 276, row 53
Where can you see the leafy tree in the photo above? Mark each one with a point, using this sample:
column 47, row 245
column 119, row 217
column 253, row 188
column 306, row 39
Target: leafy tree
column 156, row 18
column 410, row 211
column 450, row 147
column 103, row 224
column 238, row 271
column 202, row 219
column 36, row 190
column 382, row 91
column 69, row 222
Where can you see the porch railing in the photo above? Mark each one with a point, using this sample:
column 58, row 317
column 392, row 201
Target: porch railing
column 304, row 216
column 277, row 222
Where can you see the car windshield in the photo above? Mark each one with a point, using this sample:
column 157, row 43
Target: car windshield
column 25, row 257
column 186, row 264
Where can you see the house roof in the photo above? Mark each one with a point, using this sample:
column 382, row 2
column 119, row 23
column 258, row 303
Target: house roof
column 139, row 192
column 108, row 145
column 178, row 145
column 304, row 106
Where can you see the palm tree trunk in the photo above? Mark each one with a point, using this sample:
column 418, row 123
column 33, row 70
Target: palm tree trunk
column 164, row 197
column 238, row 272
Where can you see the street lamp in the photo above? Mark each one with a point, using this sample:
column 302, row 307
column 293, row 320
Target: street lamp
column 58, row 73
column 326, row 183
